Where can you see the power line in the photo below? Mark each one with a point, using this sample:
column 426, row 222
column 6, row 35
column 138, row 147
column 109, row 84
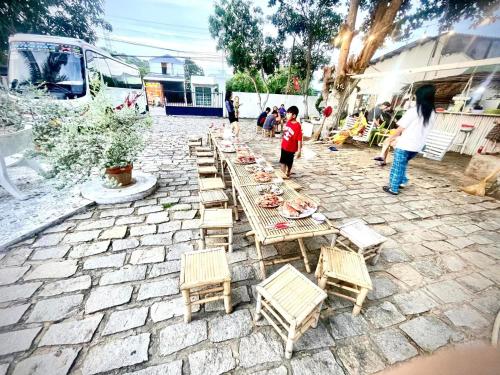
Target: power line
column 160, row 23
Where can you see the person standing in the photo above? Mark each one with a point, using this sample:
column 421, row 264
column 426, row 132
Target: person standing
column 231, row 113
column 413, row 130
column 291, row 142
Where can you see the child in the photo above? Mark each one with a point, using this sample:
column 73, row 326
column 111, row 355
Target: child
column 292, row 141
column 270, row 123
column 262, row 119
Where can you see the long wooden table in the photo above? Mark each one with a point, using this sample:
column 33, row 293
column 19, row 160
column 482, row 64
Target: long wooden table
column 263, row 220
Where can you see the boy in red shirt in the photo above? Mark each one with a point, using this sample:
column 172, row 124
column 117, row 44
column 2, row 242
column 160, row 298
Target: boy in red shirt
column 292, row 141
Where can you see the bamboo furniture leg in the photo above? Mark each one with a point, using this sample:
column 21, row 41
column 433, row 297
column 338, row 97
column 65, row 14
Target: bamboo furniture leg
column 261, row 258
column 187, row 306
column 359, row 301
column 303, row 250
column 290, row 341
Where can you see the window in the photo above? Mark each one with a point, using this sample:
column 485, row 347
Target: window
column 494, row 50
column 203, row 96
column 478, row 49
column 163, row 68
column 96, row 64
column 117, row 73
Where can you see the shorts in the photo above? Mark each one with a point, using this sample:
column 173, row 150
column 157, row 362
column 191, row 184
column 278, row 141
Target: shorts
column 287, row 158
column 232, row 117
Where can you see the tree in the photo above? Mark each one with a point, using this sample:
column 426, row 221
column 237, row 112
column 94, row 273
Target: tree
column 243, row 83
column 311, row 23
column 193, row 69
column 70, row 18
column 396, row 20
column 237, row 26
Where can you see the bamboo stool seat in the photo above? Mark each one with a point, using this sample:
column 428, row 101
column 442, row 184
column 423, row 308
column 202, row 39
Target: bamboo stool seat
column 204, row 154
column 205, row 273
column 291, row 303
column 211, row 183
column 213, row 198
column 207, row 170
column 346, row 272
column 216, row 220
column 202, row 149
column 364, row 239
column 205, row 161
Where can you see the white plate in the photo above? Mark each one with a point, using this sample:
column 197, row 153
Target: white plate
column 303, row 215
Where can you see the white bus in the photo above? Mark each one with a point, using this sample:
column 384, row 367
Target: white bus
column 66, row 66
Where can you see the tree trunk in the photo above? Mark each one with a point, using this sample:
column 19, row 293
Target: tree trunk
column 257, row 91
column 347, row 33
column 343, row 98
column 266, row 87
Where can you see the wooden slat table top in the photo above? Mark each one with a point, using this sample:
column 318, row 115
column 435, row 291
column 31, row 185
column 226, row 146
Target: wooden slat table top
column 203, row 267
column 291, row 293
column 346, row 265
column 261, row 218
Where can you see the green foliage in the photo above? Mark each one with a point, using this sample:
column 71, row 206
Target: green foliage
column 445, row 13
column 192, row 69
column 98, row 137
column 10, row 113
column 77, row 19
column 166, row 206
column 241, row 82
column 311, row 23
column 318, row 105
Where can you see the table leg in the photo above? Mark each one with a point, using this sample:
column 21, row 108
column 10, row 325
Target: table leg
column 258, row 307
column 303, row 250
column 261, row 259
column 235, row 203
column 289, row 341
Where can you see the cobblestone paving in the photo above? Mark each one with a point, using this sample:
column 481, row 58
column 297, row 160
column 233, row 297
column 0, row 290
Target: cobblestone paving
column 99, row 292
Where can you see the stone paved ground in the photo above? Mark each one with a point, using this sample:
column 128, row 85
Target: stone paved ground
column 99, row 292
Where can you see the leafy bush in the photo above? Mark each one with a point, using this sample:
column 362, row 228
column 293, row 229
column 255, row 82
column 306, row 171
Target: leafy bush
column 97, row 138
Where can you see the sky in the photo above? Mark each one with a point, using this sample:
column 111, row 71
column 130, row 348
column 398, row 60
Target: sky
column 181, row 27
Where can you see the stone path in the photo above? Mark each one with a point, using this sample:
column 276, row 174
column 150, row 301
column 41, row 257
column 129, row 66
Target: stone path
column 99, row 292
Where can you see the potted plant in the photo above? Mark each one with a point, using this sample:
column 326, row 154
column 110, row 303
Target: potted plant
column 99, row 140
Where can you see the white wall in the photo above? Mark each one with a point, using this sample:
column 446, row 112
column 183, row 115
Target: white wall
column 249, row 103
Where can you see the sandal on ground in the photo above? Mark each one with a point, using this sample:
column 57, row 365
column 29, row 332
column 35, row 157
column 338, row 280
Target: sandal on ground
column 388, row 190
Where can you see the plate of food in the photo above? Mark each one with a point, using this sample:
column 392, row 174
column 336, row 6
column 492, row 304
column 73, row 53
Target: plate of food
column 262, row 177
column 274, row 189
column 298, row 208
column 245, row 159
column 269, row 200
column 227, row 147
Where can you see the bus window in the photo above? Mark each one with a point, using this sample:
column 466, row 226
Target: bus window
column 117, row 73
column 133, row 78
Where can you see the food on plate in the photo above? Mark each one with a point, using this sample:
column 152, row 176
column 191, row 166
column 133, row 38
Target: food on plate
column 269, row 201
column 245, row 159
column 298, row 206
column 262, row 177
column 275, row 189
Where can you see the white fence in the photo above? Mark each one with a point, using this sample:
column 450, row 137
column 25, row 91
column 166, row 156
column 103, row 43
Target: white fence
column 249, row 103
column 451, row 123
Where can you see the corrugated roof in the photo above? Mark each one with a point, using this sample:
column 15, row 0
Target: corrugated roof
column 420, row 42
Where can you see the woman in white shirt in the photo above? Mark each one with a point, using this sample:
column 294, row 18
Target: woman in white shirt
column 413, row 130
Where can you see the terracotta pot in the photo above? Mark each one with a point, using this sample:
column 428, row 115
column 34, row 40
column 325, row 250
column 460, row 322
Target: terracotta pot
column 122, row 175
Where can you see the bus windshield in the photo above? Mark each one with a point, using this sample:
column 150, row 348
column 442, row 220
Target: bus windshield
column 56, row 67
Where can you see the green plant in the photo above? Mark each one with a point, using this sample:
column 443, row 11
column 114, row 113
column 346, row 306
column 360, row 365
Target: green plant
column 97, row 138
column 166, row 206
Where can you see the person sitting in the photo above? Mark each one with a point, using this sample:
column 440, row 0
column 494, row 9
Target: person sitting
column 357, row 128
column 270, row 123
column 262, row 118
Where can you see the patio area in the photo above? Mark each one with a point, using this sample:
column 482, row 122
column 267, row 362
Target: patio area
column 99, row 293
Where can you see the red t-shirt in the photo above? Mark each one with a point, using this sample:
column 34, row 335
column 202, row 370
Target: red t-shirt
column 292, row 135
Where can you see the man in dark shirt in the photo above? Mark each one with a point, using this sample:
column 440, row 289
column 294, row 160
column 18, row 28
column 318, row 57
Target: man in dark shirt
column 262, row 118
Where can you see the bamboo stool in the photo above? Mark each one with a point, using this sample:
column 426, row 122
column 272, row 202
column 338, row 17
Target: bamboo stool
column 291, row 303
column 204, row 154
column 205, row 273
column 212, row 198
column 217, row 220
column 211, row 183
column 364, row 239
column 205, row 161
column 345, row 271
column 193, row 143
column 207, row 170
